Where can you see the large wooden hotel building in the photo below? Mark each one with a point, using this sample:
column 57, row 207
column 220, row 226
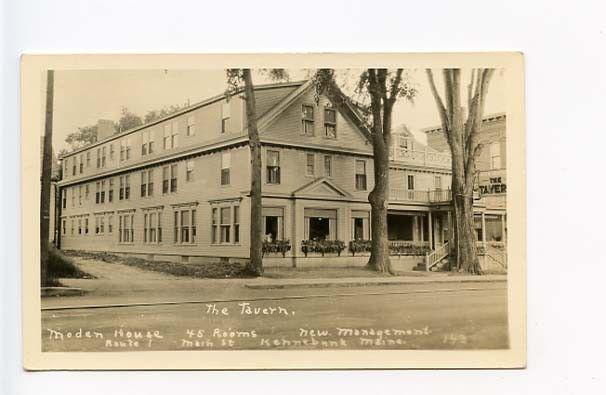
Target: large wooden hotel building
column 178, row 188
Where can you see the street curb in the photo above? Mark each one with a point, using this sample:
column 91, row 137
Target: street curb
column 369, row 283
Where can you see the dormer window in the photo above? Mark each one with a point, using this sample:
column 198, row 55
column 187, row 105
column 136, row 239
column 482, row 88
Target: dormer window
column 330, row 122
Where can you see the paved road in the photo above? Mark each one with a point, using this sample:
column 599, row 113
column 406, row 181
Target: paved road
column 438, row 316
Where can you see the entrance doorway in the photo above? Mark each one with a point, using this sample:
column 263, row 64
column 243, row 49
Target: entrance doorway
column 319, row 228
column 399, row 227
column 271, row 228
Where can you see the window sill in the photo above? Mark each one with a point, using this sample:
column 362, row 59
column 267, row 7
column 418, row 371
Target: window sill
column 225, row 244
column 186, row 244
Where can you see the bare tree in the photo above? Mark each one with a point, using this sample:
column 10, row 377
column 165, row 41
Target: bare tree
column 382, row 88
column 47, row 163
column 235, row 79
column 461, row 131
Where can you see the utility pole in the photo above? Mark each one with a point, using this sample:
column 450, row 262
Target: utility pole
column 46, row 179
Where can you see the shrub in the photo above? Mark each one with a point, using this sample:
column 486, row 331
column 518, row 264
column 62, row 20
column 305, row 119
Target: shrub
column 322, row 246
column 60, row 266
column 408, row 248
column 357, row 246
column 277, row 246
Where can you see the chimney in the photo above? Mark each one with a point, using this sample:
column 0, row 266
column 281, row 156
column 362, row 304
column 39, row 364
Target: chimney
column 105, row 128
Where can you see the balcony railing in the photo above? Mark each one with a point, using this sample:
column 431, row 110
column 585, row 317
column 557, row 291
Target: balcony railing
column 430, row 196
column 423, row 158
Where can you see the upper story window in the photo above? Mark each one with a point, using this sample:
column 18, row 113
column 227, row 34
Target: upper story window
column 169, row 178
column 65, row 167
column 110, row 192
column 191, row 126
column 125, row 149
column 111, row 152
column 147, row 183
column 74, row 165
column 103, row 152
column 80, row 195
column 310, row 166
column 73, row 198
column 410, row 182
column 189, row 171
column 63, row 198
column 98, row 158
column 225, row 118
column 307, row 120
column 328, row 166
column 330, row 122
column 87, row 158
column 81, row 163
column 437, row 182
column 495, row 155
column 360, row 175
column 171, row 135
column 273, row 167
column 86, row 192
column 225, row 167
column 124, row 187
column 147, row 145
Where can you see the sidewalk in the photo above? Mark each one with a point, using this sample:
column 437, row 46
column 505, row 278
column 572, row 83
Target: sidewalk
column 117, row 284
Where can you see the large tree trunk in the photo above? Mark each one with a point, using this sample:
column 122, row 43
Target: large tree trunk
column 465, row 245
column 255, row 265
column 47, row 163
column 378, row 199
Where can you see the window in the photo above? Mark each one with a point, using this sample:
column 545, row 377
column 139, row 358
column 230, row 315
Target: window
column 173, row 178
column 63, row 226
column 410, row 182
column 495, row 155
column 122, row 150
column 110, row 192
column 185, row 226
column 127, row 148
column 63, row 198
column 103, row 157
column 86, row 226
column 214, row 226
column 86, row 192
column 307, row 120
column 81, row 163
column 126, row 232
column 111, row 152
column 102, row 224
column 236, row 224
column 147, row 183
column 74, row 165
column 97, row 192
column 330, row 122
column 273, row 167
column 152, row 227
column 225, row 167
column 165, row 180
column 437, row 182
column 145, row 142
column 65, row 167
column 189, row 172
column 110, row 224
column 310, row 168
column 72, row 229
column 225, row 118
column 87, row 158
column 191, row 126
column 225, row 224
column 98, row 158
column 360, row 175
column 79, row 226
column 320, row 224
column 80, row 195
column 360, row 225
column 328, row 166
column 273, row 223
column 124, row 187
column 171, row 135
column 103, row 191
column 73, row 196
column 96, row 225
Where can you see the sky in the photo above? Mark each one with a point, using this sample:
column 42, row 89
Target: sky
column 82, row 97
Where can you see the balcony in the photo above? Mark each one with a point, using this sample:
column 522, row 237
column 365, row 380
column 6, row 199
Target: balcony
column 430, row 196
column 420, row 158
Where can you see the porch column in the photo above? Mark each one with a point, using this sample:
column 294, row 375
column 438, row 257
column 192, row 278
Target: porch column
column 430, row 228
column 415, row 227
column 483, row 228
column 503, row 229
column 421, row 218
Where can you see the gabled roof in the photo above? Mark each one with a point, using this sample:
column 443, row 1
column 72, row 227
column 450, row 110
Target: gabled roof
column 500, row 116
column 321, row 186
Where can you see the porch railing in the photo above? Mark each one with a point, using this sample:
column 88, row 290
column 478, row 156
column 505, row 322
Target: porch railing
column 429, row 196
column 432, row 258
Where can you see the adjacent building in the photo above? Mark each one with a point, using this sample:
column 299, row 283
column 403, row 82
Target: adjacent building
column 178, row 188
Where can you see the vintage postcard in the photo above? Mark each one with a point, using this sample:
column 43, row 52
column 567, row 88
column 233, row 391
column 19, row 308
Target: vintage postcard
column 291, row 211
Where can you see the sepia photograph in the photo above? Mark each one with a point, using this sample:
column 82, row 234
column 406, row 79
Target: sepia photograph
column 273, row 211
